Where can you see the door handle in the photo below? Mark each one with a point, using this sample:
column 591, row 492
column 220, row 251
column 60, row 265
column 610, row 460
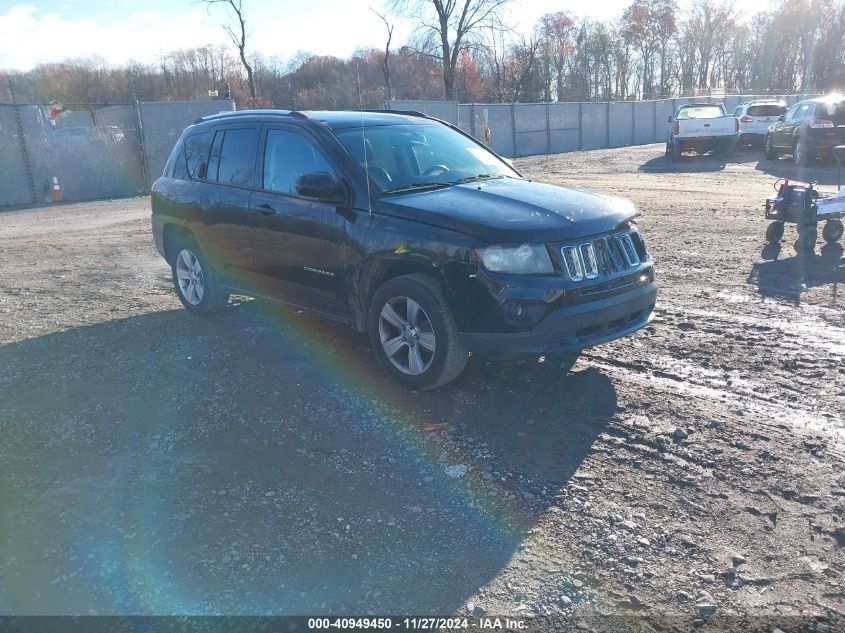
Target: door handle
column 266, row 209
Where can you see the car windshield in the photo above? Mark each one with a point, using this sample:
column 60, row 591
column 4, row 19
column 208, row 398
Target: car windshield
column 766, row 110
column 409, row 157
column 700, row 112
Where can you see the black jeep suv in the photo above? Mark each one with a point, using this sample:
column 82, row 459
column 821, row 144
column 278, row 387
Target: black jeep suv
column 809, row 129
column 404, row 227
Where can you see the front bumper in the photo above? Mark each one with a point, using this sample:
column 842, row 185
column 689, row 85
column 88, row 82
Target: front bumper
column 572, row 328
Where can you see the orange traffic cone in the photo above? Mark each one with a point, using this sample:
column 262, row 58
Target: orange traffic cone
column 57, row 190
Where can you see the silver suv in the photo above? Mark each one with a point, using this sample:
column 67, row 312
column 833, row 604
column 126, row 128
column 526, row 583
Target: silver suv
column 755, row 117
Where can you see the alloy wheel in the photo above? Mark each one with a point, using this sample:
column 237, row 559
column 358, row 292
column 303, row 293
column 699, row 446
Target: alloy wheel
column 190, row 277
column 406, row 336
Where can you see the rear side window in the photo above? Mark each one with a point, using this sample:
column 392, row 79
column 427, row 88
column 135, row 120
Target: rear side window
column 766, row 110
column 197, row 148
column 175, row 166
column 237, row 157
column 230, row 156
column 802, row 111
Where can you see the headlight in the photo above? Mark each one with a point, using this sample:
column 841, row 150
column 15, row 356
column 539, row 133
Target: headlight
column 528, row 259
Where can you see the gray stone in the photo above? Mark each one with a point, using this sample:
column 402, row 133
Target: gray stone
column 456, row 471
column 705, row 603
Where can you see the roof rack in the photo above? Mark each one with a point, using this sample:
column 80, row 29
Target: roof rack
column 239, row 113
column 404, row 112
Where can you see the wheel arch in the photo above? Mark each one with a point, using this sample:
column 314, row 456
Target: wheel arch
column 376, row 271
column 172, row 235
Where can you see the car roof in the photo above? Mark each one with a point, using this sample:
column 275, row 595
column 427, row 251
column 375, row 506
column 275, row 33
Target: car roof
column 335, row 119
column 779, row 102
column 367, row 118
column 833, row 98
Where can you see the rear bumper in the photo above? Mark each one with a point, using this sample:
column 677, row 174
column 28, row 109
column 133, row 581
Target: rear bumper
column 705, row 143
column 572, row 328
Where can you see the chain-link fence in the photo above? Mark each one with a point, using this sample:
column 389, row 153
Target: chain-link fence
column 89, row 152
column 524, row 129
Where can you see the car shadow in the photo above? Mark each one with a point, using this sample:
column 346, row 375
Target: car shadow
column 824, row 172
column 688, row 163
column 786, row 275
column 259, row 462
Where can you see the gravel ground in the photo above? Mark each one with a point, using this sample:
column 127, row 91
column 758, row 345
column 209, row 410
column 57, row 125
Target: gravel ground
column 259, row 462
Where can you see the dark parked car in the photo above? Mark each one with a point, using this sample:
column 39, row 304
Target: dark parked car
column 809, row 129
column 404, row 227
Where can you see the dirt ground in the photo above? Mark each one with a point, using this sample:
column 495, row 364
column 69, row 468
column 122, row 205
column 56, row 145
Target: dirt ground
column 154, row 462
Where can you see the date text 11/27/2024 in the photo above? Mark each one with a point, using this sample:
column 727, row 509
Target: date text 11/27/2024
column 418, row 624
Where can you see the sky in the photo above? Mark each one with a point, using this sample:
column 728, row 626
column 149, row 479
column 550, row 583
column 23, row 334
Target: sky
column 36, row 31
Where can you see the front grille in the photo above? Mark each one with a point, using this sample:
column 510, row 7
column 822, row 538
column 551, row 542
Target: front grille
column 603, row 256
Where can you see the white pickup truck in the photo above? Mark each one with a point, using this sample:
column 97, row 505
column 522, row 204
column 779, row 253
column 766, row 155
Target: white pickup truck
column 703, row 127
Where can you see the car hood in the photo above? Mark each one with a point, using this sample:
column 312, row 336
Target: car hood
column 513, row 211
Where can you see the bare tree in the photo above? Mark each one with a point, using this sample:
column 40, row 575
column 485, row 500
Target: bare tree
column 709, row 21
column 385, row 64
column 557, row 32
column 450, row 25
column 237, row 33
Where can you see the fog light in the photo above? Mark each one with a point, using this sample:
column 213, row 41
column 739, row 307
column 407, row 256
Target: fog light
column 515, row 311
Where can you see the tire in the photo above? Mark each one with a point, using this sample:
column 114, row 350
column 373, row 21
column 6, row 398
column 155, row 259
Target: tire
column 832, row 231
column 196, row 280
column 676, row 153
column 774, row 232
column 771, row 152
column 806, row 241
column 410, row 311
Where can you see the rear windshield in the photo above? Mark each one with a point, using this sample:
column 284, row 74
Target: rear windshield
column 700, row 112
column 831, row 111
column 766, row 110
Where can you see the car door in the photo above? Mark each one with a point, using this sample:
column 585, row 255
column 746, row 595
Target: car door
column 298, row 240
column 223, row 222
column 792, row 123
column 780, row 136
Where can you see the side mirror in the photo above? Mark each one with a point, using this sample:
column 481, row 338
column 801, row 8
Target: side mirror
column 780, row 118
column 317, row 184
column 669, row 120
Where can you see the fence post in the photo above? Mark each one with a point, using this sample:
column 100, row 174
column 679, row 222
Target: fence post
column 607, row 124
column 580, row 125
column 633, row 122
column 513, row 126
column 24, row 151
column 548, row 129
column 472, row 119
column 145, row 168
column 654, row 121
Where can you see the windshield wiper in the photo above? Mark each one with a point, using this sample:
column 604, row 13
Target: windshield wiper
column 418, row 186
column 461, row 181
